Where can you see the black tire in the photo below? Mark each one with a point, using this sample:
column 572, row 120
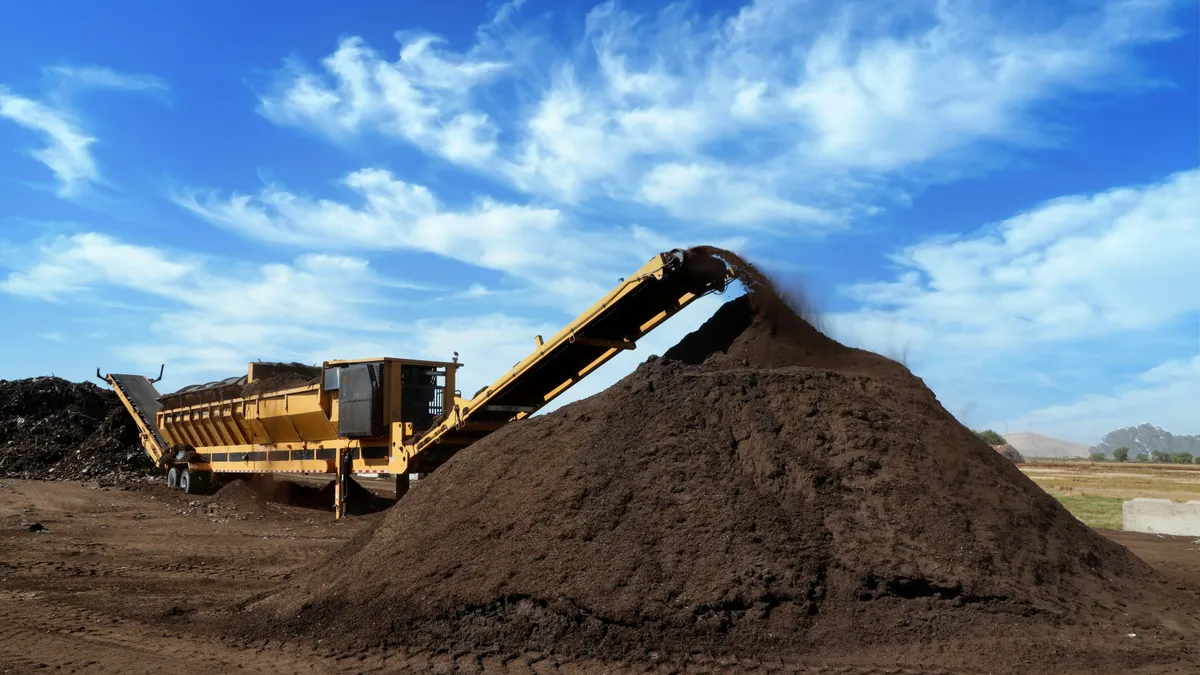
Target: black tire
column 173, row 477
column 195, row 482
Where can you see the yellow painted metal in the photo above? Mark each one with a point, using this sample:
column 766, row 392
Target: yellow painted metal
column 296, row 430
column 301, row 418
column 149, row 443
column 655, row 269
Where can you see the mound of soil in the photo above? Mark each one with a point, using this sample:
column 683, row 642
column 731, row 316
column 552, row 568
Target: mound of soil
column 238, row 495
column 760, row 490
column 52, row 428
column 254, row 495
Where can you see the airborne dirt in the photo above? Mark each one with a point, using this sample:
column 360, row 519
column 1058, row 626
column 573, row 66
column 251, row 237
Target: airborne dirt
column 760, row 491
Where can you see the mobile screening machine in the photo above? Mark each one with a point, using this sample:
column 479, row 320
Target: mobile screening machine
column 391, row 415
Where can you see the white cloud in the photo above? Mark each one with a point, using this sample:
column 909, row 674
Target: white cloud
column 71, row 264
column 96, row 77
column 692, row 191
column 785, row 112
column 212, row 316
column 1165, row 396
column 1047, row 305
column 1073, row 268
column 537, row 245
column 423, row 96
column 217, row 313
column 67, row 152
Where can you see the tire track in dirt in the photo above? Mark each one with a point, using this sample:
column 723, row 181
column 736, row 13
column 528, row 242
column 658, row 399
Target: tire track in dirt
column 159, row 597
column 36, row 633
column 106, row 570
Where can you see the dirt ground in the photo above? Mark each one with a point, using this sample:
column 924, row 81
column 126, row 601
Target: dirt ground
column 148, row 580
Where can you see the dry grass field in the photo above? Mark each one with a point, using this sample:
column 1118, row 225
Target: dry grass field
column 1093, row 491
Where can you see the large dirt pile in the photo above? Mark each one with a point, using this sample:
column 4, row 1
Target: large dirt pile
column 54, row 429
column 760, row 490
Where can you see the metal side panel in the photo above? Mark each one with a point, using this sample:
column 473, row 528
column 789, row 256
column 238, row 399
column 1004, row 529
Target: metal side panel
column 137, row 392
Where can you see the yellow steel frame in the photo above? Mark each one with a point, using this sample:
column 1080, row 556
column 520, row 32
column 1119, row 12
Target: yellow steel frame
column 272, row 427
column 145, row 435
column 654, row 269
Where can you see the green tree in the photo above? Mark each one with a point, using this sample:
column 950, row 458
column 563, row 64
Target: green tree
column 1143, row 457
column 1099, row 457
column 1121, row 454
column 990, row 437
column 1160, row 457
column 1182, row 458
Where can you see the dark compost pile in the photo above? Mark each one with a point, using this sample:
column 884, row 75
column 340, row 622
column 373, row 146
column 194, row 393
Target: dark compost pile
column 761, row 489
column 54, row 429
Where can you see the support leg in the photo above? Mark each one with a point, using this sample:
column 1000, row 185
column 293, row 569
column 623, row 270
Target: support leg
column 401, row 485
column 340, row 483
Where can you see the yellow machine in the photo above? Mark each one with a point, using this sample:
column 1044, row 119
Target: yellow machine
column 394, row 416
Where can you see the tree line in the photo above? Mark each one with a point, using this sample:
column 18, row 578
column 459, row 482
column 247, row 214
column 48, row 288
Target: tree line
column 1118, row 455
column 1156, row 456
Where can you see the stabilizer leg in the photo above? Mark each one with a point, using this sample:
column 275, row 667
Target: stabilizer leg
column 341, row 483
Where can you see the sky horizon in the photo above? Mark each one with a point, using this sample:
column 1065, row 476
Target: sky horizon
column 1005, row 200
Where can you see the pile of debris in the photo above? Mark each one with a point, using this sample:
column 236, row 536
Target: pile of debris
column 761, row 490
column 267, row 377
column 271, row 377
column 54, row 429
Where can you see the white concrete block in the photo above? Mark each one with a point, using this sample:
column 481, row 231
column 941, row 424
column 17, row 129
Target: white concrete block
column 1161, row 516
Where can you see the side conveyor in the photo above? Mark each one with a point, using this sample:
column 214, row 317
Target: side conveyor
column 666, row 284
column 141, row 399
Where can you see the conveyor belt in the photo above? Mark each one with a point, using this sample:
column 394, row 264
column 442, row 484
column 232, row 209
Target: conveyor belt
column 665, row 285
column 141, row 399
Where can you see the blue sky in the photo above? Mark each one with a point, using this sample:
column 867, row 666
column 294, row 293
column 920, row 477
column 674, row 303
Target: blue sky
column 1004, row 195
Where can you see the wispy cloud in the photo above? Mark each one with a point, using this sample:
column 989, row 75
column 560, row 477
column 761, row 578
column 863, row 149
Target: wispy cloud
column 68, row 265
column 782, row 113
column 540, row 246
column 73, row 78
column 68, row 146
column 423, row 97
column 1076, row 267
column 210, row 310
column 212, row 316
column 68, row 149
column 1054, row 303
column 1165, row 396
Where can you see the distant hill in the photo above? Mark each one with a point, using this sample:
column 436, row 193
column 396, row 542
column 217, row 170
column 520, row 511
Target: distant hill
column 1030, row 444
column 1147, row 438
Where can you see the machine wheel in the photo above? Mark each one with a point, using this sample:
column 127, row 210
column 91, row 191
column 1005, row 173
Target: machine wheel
column 191, row 482
column 173, row 477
